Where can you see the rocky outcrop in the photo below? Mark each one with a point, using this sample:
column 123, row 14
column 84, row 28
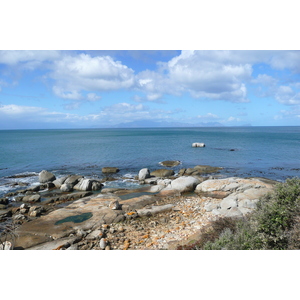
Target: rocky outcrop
column 46, row 176
column 240, row 195
column 195, row 145
column 162, row 173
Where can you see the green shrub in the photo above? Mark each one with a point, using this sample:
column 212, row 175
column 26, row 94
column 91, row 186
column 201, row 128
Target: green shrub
column 274, row 224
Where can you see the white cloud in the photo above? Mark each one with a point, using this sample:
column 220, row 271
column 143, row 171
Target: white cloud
column 204, row 74
column 286, row 95
column 208, row 116
column 83, row 72
column 14, row 57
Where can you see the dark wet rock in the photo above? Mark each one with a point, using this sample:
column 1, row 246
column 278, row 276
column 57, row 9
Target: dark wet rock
column 5, row 213
column 32, row 198
column 170, row 163
column 46, row 176
column 110, row 170
column 4, row 201
column 162, row 173
column 68, row 197
column 66, row 187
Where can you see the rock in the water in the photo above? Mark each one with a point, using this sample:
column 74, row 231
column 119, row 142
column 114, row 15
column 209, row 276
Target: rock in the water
column 144, row 173
column 86, row 184
column 184, row 184
column 162, row 173
column 73, row 179
column 66, row 187
column 59, row 181
column 195, row 145
column 32, row 198
column 110, row 170
column 96, row 185
column 46, row 176
column 170, row 163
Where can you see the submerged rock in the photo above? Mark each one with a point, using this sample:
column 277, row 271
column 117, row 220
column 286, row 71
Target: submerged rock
column 110, row 170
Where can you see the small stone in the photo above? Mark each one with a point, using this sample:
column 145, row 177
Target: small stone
column 115, row 205
column 107, row 247
column 120, row 229
column 111, row 230
column 102, row 243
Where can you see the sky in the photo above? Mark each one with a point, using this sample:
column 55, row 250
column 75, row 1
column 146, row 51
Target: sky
column 104, row 88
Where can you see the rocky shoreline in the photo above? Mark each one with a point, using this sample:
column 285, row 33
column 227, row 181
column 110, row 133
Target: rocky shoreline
column 168, row 210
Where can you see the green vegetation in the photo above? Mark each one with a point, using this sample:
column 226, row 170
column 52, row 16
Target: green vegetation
column 275, row 224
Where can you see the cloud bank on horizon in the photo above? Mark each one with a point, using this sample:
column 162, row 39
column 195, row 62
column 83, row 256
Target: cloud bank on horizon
column 82, row 89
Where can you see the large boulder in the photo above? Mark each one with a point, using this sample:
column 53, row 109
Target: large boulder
column 183, row 184
column 46, row 176
column 143, row 174
column 162, row 173
column 86, row 184
column 66, row 187
column 110, row 170
column 60, row 181
column 73, row 179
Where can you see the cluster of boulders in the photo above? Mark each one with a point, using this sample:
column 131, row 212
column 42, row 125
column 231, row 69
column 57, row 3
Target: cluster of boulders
column 94, row 221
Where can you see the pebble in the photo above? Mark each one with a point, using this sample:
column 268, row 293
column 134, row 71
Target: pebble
column 102, row 243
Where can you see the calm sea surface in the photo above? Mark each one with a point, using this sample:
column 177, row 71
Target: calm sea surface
column 271, row 152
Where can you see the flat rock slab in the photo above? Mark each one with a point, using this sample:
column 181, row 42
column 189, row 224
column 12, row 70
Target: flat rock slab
column 81, row 214
column 53, row 245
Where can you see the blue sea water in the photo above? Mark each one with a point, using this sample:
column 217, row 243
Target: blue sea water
column 271, row 152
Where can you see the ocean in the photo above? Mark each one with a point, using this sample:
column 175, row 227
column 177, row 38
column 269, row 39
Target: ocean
column 271, row 152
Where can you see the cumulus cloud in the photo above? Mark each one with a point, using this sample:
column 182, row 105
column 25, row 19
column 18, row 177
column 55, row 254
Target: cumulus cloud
column 83, row 72
column 286, row 95
column 204, row 74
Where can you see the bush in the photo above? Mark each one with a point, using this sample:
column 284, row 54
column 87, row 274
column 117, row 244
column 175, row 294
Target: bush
column 274, row 224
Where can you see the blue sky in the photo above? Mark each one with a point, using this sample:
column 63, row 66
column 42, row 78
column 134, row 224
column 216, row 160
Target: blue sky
column 83, row 89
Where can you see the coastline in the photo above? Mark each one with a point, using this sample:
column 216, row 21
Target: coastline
column 160, row 213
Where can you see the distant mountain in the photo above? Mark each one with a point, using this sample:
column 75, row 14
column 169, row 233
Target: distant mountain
column 150, row 123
